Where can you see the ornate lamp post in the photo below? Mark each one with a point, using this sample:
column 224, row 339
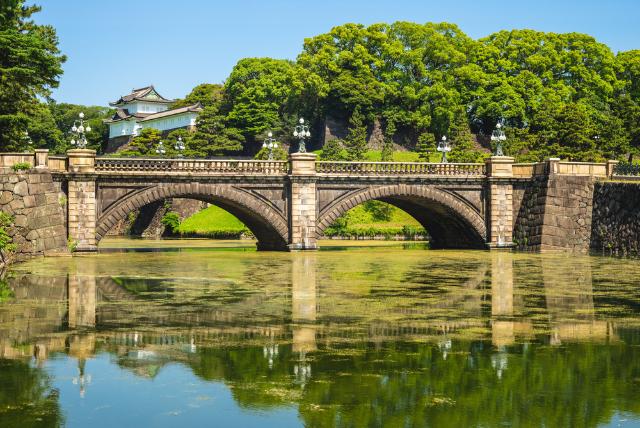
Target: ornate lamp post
column 270, row 144
column 160, row 149
column 27, row 140
column 302, row 133
column 179, row 146
column 445, row 147
column 498, row 137
column 78, row 130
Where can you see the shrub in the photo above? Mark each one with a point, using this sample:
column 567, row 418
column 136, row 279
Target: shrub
column 171, row 220
column 21, row 166
column 7, row 247
column 72, row 245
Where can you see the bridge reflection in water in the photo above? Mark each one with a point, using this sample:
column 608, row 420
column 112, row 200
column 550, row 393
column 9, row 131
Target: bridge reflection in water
column 93, row 300
column 315, row 330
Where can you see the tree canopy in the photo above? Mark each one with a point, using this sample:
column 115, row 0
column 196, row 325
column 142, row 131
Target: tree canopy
column 30, row 65
column 564, row 95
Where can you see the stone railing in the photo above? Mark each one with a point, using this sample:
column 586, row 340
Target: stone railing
column 555, row 166
column 592, row 169
column 400, row 168
column 57, row 163
column 528, row 170
column 10, row 159
column 193, row 166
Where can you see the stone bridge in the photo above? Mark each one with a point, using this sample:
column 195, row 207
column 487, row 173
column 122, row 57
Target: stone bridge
column 289, row 204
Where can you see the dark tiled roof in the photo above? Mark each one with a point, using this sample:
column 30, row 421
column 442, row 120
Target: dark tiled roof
column 192, row 108
column 140, row 94
column 123, row 114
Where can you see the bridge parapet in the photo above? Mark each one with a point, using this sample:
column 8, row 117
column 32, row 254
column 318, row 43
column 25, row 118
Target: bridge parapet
column 195, row 166
column 400, row 168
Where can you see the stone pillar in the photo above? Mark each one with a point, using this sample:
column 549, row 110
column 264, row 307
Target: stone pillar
column 42, row 158
column 81, row 199
column 500, row 202
column 552, row 166
column 303, row 205
column 611, row 166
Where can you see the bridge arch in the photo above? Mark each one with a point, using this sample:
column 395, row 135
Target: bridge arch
column 450, row 221
column 265, row 221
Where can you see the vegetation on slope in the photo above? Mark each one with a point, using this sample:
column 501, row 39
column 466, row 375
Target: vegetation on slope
column 213, row 222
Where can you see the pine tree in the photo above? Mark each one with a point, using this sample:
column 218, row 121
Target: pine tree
column 425, row 146
column 333, row 150
column 462, row 142
column 144, row 144
column 356, row 140
column 212, row 137
column 387, row 147
column 30, row 64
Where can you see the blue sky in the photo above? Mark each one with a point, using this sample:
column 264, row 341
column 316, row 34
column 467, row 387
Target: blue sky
column 116, row 45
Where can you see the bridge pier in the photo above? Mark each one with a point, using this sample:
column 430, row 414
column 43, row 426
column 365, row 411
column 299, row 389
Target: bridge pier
column 499, row 217
column 303, row 202
column 81, row 199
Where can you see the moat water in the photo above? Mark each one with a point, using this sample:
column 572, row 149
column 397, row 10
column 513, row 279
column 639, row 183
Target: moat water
column 206, row 333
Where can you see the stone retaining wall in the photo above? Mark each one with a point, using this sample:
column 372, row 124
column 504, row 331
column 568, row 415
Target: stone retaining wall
column 555, row 214
column 35, row 203
column 616, row 218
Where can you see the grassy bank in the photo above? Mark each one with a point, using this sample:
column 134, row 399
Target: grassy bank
column 369, row 220
column 213, row 222
column 375, row 219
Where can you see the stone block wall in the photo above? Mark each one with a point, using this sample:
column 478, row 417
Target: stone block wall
column 555, row 214
column 615, row 227
column 303, row 214
column 33, row 199
column 82, row 214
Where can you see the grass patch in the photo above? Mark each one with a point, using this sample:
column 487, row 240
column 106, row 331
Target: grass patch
column 373, row 219
column 364, row 221
column 213, row 222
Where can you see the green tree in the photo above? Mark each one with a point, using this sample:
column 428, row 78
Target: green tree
column 213, row 137
column 463, row 147
column 206, row 94
column 333, row 150
column 65, row 115
column 356, row 141
column 426, row 145
column 43, row 129
column 144, row 144
column 387, row 146
column 30, row 65
column 261, row 92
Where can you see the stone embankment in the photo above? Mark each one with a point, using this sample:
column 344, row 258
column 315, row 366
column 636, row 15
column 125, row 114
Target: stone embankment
column 554, row 213
column 616, row 218
column 38, row 210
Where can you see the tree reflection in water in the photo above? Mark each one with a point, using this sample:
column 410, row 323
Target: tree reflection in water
column 473, row 340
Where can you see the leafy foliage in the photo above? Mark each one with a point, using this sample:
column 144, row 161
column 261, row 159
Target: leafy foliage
column 333, row 150
column 356, row 141
column 144, row 144
column 7, row 247
column 30, row 64
column 171, row 220
column 21, row 166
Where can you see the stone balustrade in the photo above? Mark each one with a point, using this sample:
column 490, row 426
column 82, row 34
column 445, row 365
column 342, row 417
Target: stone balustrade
column 400, row 168
column 10, row 159
column 194, row 166
column 58, row 163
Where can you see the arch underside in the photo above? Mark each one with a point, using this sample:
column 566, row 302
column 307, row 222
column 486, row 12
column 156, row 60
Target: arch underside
column 450, row 222
column 264, row 221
